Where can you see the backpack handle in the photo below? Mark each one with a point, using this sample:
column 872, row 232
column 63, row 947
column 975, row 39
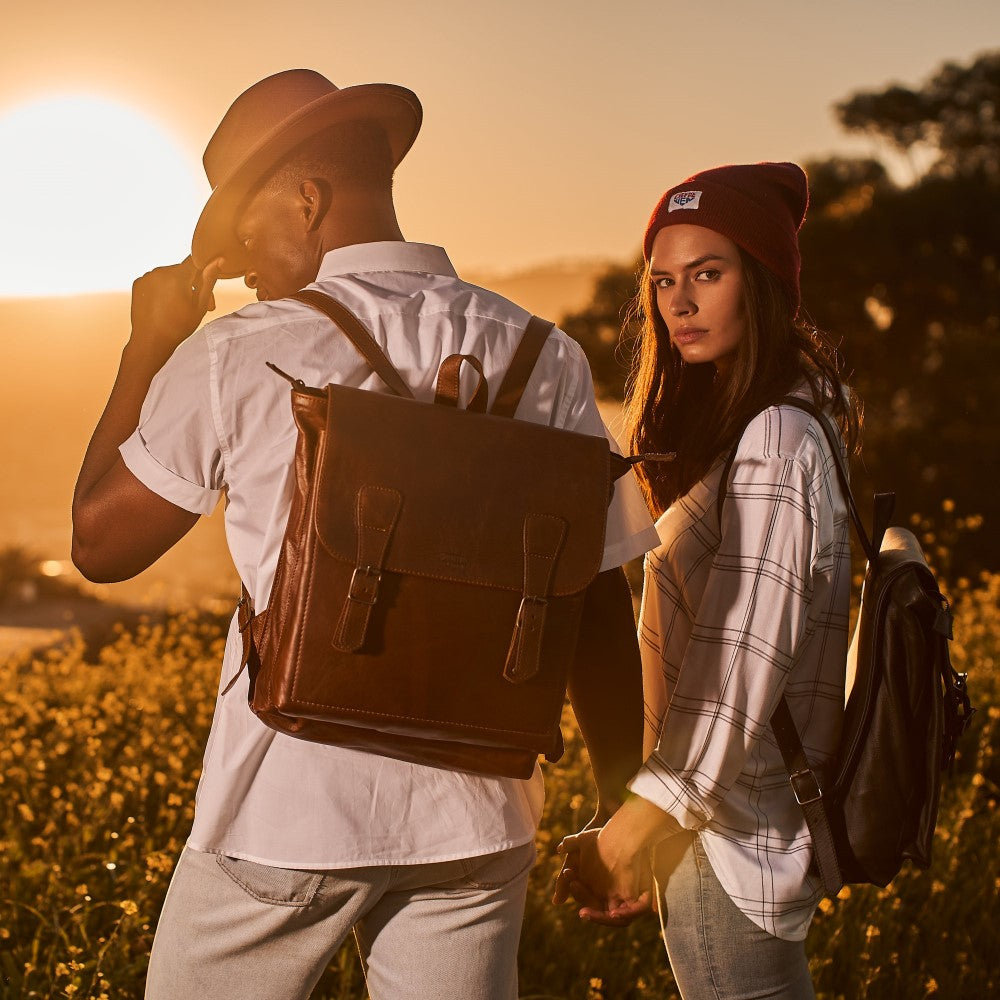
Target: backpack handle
column 511, row 388
column 447, row 389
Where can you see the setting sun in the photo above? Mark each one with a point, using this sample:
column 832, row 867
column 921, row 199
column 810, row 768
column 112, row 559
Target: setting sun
column 92, row 194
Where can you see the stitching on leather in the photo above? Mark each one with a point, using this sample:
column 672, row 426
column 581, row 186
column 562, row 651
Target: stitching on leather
column 375, row 489
column 464, row 579
column 317, row 530
column 416, row 718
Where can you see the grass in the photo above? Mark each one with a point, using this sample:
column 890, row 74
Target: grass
column 101, row 756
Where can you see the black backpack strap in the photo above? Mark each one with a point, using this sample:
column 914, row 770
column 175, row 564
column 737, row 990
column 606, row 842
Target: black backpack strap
column 521, row 366
column 356, row 333
column 809, row 795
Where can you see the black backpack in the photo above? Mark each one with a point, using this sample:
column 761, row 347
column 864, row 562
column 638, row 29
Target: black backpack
column 906, row 708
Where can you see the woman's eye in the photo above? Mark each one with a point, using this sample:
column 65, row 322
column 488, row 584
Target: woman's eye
column 663, row 282
column 709, row 274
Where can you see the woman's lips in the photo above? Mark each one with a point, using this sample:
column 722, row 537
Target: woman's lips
column 684, row 335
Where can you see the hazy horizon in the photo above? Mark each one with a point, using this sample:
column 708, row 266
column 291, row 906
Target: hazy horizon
column 549, row 129
column 60, row 357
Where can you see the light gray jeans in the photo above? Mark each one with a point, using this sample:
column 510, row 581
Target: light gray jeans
column 237, row 930
column 716, row 952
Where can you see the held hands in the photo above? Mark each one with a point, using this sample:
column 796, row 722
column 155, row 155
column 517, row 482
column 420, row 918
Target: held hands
column 613, row 886
column 168, row 303
column 609, row 870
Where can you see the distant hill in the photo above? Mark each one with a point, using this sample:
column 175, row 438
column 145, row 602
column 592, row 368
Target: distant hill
column 549, row 290
column 58, row 358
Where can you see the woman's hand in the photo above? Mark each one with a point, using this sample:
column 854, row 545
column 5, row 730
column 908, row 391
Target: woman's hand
column 613, row 889
column 608, row 869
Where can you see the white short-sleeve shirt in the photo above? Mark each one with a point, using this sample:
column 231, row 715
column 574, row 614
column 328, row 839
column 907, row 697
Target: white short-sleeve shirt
column 218, row 422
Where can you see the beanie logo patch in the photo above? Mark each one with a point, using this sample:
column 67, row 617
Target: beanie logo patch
column 684, row 199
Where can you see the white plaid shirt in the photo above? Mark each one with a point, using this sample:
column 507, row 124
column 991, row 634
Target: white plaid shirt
column 728, row 626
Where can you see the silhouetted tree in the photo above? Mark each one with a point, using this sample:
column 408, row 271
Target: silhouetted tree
column 956, row 111
column 603, row 328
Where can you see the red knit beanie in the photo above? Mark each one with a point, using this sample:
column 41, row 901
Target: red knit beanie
column 759, row 206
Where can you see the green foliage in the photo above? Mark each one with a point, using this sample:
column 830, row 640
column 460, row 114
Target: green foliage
column 97, row 776
column 910, row 284
column 599, row 328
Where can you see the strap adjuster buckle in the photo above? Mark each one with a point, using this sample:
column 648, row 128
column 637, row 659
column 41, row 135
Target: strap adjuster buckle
column 365, row 581
column 805, row 787
column 244, row 613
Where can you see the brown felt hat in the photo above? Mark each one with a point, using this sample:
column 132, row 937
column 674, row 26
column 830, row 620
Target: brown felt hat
column 267, row 122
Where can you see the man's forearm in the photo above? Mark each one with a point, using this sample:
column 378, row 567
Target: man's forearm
column 121, row 415
column 605, row 686
column 167, row 306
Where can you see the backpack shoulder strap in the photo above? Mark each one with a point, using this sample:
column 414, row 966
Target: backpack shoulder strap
column 521, row 366
column 356, row 333
column 809, row 795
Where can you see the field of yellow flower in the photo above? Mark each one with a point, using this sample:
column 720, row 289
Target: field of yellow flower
column 100, row 757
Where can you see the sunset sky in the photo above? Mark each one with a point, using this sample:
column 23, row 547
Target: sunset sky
column 550, row 127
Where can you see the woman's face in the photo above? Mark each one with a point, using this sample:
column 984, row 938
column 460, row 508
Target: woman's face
column 698, row 280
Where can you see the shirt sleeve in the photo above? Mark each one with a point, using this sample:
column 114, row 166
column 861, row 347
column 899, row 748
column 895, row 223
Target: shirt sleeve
column 176, row 451
column 630, row 531
column 745, row 633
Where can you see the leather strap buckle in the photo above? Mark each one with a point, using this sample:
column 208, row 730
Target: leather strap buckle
column 365, row 581
column 244, row 612
column 805, row 787
column 375, row 516
column 543, row 538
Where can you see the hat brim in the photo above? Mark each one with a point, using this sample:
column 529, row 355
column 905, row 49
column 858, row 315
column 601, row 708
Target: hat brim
column 396, row 109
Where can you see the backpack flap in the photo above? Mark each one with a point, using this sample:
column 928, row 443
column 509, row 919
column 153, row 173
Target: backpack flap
column 461, row 518
column 424, row 491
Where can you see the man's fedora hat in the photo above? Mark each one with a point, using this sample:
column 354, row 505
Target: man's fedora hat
column 267, row 122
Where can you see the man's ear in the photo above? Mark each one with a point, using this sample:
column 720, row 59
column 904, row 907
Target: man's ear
column 314, row 201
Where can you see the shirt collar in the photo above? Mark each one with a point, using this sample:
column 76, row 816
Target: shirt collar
column 390, row 255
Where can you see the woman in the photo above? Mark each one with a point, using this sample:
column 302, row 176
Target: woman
column 740, row 606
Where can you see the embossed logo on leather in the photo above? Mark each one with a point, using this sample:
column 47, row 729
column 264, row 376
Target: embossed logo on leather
column 454, row 559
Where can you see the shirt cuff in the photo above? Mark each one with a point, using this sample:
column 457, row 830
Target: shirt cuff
column 187, row 495
column 664, row 788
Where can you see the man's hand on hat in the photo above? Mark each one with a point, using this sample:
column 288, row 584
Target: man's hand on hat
column 169, row 302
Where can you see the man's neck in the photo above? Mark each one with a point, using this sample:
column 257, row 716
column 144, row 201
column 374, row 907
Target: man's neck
column 358, row 221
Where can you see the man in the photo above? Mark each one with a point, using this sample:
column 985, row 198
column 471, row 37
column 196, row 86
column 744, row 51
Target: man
column 293, row 842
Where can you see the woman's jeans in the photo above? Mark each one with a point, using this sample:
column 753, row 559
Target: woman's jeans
column 717, row 953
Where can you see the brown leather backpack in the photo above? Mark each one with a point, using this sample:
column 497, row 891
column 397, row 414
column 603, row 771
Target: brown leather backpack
column 432, row 574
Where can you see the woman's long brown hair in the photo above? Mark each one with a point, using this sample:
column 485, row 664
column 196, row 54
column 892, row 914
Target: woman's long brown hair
column 672, row 406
